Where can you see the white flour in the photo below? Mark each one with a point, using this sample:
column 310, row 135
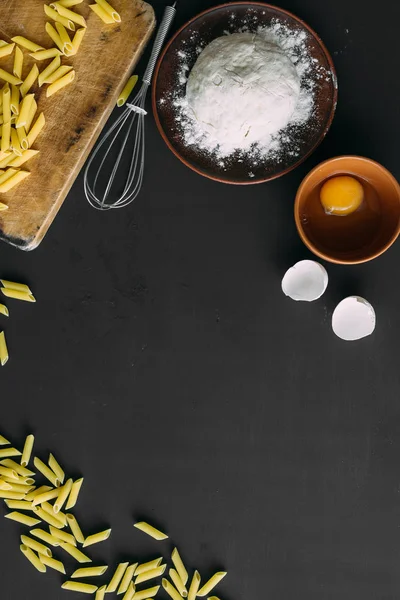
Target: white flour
column 271, row 146
column 242, row 90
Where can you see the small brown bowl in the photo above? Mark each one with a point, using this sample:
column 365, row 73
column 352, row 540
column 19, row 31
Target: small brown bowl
column 360, row 236
column 200, row 31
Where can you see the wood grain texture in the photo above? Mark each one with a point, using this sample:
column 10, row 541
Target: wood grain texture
column 74, row 116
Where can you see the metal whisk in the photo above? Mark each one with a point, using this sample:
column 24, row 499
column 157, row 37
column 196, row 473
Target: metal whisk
column 98, row 181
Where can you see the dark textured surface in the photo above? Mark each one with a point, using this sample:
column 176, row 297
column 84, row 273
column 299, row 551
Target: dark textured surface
column 163, row 362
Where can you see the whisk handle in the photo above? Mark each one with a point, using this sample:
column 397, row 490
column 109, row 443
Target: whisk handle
column 169, row 15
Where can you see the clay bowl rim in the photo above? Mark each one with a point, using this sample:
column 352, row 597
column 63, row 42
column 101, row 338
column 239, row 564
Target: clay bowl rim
column 299, row 226
column 303, row 158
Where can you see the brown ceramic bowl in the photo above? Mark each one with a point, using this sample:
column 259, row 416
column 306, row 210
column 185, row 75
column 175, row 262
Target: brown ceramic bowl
column 360, row 236
column 203, row 29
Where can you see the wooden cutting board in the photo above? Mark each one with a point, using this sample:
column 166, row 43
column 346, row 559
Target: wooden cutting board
column 76, row 115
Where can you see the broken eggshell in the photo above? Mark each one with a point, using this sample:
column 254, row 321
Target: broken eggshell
column 306, row 281
column 353, row 319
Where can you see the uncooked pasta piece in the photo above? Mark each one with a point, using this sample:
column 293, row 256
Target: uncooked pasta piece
column 4, row 441
column 65, row 39
column 171, row 591
column 96, row 538
column 73, row 497
column 76, row 530
column 63, row 495
column 6, row 50
column 101, row 593
column 45, row 470
column 14, row 293
column 18, row 63
column 177, row 581
column 64, row 537
column 70, row 15
column 77, row 586
column 60, row 84
column 151, row 531
column 36, row 129
column 36, row 546
column 24, row 519
column 3, row 349
column 56, row 468
column 117, row 577
column 56, row 16
column 53, row 564
column 6, row 76
column 75, row 553
column 104, row 15
column 33, row 558
column 150, row 574
column 127, row 578
column 49, row 70
column 149, row 593
column 89, row 572
column 9, row 463
column 28, row 446
column 194, row 586
column 126, row 92
column 148, row 566
column 45, row 536
column 45, row 54
column 109, row 9
column 179, row 566
column 78, row 37
column 7, row 452
column 29, row 81
column 25, row 43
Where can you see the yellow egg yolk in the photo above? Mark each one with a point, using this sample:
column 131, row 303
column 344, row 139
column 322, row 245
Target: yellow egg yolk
column 341, row 195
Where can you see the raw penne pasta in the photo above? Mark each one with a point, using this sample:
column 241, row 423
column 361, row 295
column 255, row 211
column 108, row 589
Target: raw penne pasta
column 56, row 468
column 109, row 9
column 97, row 538
column 10, row 495
column 25, row 156
column 77, row 586
column 101, row 592
column 5, row 137
column 103, row 14
column 63, row 495
column 73, row 497
column 4, row 441
column 33, row 558
column 45, row 470
column 10, row 156
column 60, row 517
column 32, row 495
column 70, row 15
column 45, row 496
column 45, row 516
column 67, row 3
column 8, row 462
column 24, row 519
column 194, row 586
column 60, row 83
column 7, row 452
column 179, row 566
column 46, row 537
column 10, row 473
column 4, row 485
column 22, row 480
column 15, row 145
column 28, row 447
column 127, row 578
column 89, row 572
column 144, row 594
column 36, row 546
column 56, row 16
column 75, row 553
column 18, row 63
column 78, row 37
column 23, row 139
column 6, row 76
column 213, row 598
column 76, row 530
column 25, row 43
column 29, row 81
column 64, row 537
column 53, row 66
column 5, row 176
column 46, row 54
column 15, row 100
column 31, row 114
column 24, row 110
column 65, row 39
column 130, row 592
column 126, row 92
column 148, row 566
column 150, row 574
column 151, row 531
column 3, row 207
column 24, row 489
column 6, row 50
column 178, row 583
column 6, row 103
column 19, row 504
column 13, row 293
column 36, row 129
column 117, row 577
column 3, row 351
column 211, row 583
column 53, row 564
column 51, row 32
column 57, row 74
column 171, row 591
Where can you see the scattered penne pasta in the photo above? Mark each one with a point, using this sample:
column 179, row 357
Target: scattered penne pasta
column 53, row 34
column 171, row 591
column 97, row 538
column 3, row 350
column 149, row 593
column 73, row 497
column 178, row 583
column 76, row 586
column 33, row 558
column 24, row 519
column 3, row 440
column 18, row 63
column 62, row 496
column 19, row 469
column 29, row 81
column 70, row 15
column 6, row 50
column 53, row 564
column 14, row 293
column 151, row 531
column 103, row 14
column 194, row 586
column 19, row 504
column 67, row 3
column 62, row 536
column 57, row 74
column 10, row 473
column 117, row 577
column 75, row 553
column 78, row 38
column 126, row 92
column 56, row 468
column 109, row 9
column 56, row 16
column 46, row 54
column 27, row 44
column 7, row 452
column 179, row 566
column 32, row 495
column 60, row 84
column 45, row 536
column 45, row 516
column 211, row 584
column 101, row 592
column 130, row 592
column 6, row 76
column 89, row 572
column 65, row 39
column 148, row 566
column 28, row 446
column 76, row 530
column 127, row 578
column 49, row 70
column 36, row 129
column 147, row 575
column 37, row 546
column 45, row 470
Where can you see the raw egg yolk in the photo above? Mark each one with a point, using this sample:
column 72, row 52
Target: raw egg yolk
column 341, row 195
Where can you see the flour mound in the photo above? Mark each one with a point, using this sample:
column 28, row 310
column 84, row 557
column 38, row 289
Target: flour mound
column 242, row 90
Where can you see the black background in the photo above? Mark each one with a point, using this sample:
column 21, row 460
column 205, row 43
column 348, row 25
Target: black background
column 163, row 363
